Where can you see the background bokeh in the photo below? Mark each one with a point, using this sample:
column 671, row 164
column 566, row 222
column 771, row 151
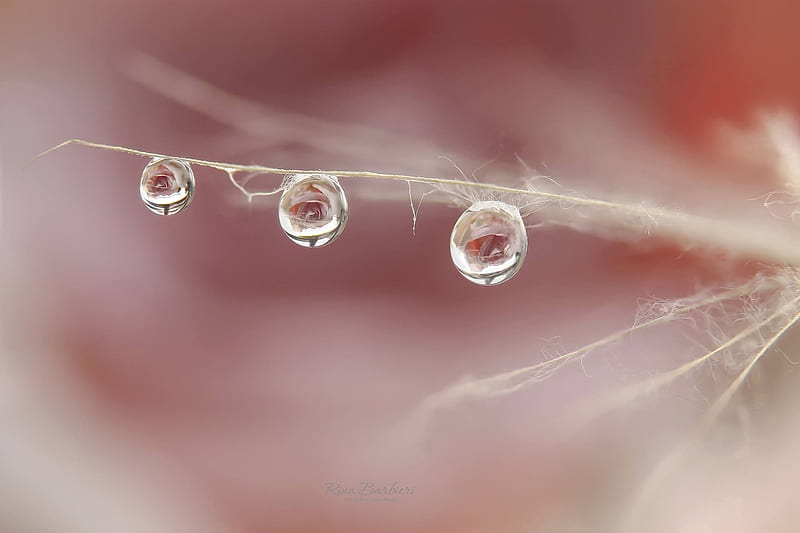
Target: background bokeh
column 202, row 373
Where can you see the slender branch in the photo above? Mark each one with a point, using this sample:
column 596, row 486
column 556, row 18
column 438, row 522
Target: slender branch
column 628, row 394
column 613, row 220
column 669, row 462
column 512, row 381
column 577, row 200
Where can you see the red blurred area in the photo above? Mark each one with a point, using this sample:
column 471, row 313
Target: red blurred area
column 258, row 370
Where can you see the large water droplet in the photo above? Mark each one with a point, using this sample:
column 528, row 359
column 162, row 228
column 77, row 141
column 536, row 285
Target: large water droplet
column 167, row 186
column 313, row 209
column 489, row 243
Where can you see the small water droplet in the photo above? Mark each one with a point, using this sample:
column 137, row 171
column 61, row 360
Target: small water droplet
column 489, row 243
column 167, row 186
column 313, row 209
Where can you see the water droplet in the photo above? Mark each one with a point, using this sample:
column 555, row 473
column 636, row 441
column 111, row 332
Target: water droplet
column 313, row 209
column 167, row 186
column 489, row 243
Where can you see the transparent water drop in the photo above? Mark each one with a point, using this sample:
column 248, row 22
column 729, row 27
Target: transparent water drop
column 489, row 242
column 167, row 185
column 313, row 209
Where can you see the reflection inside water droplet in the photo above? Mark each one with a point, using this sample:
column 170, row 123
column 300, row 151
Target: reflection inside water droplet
column 313, row 209
column 489, row 243
column 167, row 186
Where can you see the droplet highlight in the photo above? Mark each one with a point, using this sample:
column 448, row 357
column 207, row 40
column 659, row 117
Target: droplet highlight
column 313, row 209
column 167, row 186
column 489, row 243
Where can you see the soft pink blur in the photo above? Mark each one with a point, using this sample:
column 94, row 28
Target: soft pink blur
column 218, row 376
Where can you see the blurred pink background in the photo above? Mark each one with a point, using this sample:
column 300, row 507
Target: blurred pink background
column 202, row 373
